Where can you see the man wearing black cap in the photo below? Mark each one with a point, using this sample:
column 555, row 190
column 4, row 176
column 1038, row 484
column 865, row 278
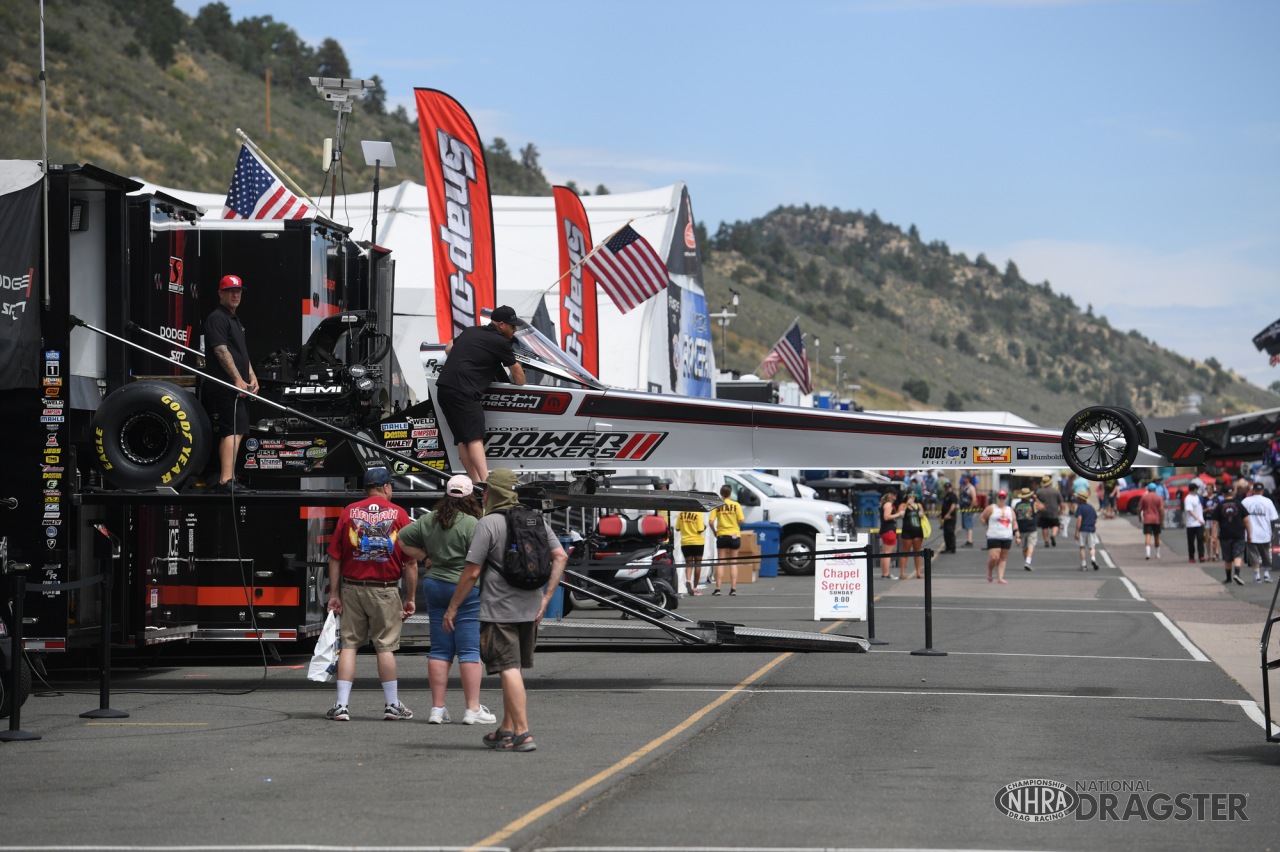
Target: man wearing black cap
column 227, row 356
column 476, row 358
column 366, row 564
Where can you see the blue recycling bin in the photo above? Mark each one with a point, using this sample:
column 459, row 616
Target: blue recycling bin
column 769, row 534
column 866, row 511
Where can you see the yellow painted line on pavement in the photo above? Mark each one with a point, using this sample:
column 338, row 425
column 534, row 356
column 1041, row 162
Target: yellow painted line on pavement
column 603, row 775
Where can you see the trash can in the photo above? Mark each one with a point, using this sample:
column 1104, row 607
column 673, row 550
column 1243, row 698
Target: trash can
column 866, row 511
column 555, row 606
column 769, row 534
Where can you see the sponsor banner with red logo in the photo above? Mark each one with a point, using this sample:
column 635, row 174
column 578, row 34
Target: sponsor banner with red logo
column 20, row 287
column 992, row 455
column 461, row 212
column 579, row 329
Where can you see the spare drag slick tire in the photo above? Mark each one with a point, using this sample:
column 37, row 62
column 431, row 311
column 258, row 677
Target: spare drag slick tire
column 1100, row 442
column 151, row 434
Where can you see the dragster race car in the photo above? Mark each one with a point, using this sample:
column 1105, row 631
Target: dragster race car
column 321, row 415
column 573, row 422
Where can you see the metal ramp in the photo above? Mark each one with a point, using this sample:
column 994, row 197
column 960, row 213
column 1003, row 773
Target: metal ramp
column 659, row 624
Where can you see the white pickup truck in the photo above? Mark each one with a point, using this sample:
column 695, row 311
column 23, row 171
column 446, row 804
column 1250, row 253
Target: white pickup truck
column 804, row 521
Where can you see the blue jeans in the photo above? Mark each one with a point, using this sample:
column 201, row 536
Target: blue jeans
column 464, row 641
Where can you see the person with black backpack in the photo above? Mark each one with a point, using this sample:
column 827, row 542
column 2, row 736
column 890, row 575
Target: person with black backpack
column 1230, row 514
column 518, row 562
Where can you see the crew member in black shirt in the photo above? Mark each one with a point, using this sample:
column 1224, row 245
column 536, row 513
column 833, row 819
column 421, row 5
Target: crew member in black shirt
column 476, row 358
column 227, row 356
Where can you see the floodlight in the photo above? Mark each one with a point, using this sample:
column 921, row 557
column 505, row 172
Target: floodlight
column 341, row 91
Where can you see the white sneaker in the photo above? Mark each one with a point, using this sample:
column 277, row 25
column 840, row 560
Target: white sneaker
column 438, row 716
column 1257, row 578
column 479, row 717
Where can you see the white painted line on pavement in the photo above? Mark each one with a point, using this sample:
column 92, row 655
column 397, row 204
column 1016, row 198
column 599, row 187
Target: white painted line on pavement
column 1181, row 637
column 1029, row 609
column 879, row 651
column 944, row 693
column 1254, row 712
column 1106, row 557
column 1133, row 590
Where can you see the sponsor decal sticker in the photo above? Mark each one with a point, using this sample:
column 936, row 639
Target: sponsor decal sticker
column 635, row 446
column 944, row 453
column 269, row 464
column 543, row 403
column 399, row 444
column 992, row 455
column 401, row 433
column 394, row 427
column 1024, row 453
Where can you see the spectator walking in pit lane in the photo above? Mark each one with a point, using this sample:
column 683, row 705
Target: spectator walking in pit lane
column 1230, row 515
column 439, row 541
column 693, row 533
column 1051, row 504
column 1086, row 530
column 1110, row 489
column 1213, row 498
column 950, row 508
column 1193, row 519
column 1001, row 533
column 1261, row 514
column 912, row 538
column 508, row 616
column 968, row 506
column 1151, row 513
column 1025, row 510
column 890, row 512
column 726, row 525
column 366, row 565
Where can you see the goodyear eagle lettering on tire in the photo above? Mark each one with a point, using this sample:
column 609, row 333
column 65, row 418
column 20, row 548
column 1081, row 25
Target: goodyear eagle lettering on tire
column 151, row 434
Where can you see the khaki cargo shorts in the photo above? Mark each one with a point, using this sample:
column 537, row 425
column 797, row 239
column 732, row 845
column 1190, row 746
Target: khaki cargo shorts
column 371, row 614
column 506, row 646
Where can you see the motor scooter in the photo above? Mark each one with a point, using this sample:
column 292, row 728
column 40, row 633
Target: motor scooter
column 631, row 555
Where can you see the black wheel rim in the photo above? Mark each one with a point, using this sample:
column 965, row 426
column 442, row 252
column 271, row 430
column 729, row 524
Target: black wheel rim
column 145, row 437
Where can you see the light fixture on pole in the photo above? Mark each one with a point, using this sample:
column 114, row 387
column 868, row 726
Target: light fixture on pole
column 723, row 319
column 377, row 154
column 837, row 359
column 817, row 363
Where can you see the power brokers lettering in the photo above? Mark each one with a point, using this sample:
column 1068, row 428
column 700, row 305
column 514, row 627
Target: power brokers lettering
column 572, row 445
column 458, row 164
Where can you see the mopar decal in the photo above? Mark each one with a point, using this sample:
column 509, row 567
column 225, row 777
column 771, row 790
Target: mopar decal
column 635, row 446
column 992, row 455
column 545, row 403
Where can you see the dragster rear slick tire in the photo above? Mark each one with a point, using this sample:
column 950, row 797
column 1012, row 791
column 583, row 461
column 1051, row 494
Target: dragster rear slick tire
column 1101, row 442
column 151, row 435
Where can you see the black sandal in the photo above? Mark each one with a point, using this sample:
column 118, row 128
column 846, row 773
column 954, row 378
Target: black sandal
column 497, row 739
column 519, row 742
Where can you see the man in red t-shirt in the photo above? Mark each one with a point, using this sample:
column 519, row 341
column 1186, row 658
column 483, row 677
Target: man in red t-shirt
column 1151, row 511
column 365, row 568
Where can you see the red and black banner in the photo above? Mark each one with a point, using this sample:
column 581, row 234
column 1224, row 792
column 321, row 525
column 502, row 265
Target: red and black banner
column 579, row 327
column 20, row 219
column 461, row 212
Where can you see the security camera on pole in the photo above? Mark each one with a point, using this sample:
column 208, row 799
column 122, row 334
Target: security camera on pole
column 341, row 92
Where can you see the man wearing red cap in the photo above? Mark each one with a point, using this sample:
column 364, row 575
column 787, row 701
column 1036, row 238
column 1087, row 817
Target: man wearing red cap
column 227, row 356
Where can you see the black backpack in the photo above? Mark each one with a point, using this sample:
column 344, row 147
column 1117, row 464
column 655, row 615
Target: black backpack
column 526, row 564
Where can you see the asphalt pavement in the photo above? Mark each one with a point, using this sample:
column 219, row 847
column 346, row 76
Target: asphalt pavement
column 1135, row 689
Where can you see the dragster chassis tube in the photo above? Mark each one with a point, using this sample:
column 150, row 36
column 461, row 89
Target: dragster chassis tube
column 439, row 476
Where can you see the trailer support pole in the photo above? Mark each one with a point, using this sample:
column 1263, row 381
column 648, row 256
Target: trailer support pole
column 107, row 548
column 15, row 734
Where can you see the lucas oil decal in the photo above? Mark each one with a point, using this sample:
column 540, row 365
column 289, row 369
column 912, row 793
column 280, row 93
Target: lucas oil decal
column 572, row 445
column 991, row 455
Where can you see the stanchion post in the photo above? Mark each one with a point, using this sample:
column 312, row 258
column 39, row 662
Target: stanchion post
column 928, row 650
column 106, row 547
column 15, row 734
column 873, row 549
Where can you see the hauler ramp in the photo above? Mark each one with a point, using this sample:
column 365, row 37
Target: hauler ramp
column 662, row 624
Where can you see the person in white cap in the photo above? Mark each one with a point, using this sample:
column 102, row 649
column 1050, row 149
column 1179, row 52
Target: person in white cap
column 439, row 541
column 228, row 360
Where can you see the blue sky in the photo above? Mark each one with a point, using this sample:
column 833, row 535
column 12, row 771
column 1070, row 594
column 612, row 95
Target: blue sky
column 1127, row 152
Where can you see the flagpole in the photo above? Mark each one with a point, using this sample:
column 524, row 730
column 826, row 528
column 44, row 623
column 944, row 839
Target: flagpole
column 585, row 257
column 284, row 177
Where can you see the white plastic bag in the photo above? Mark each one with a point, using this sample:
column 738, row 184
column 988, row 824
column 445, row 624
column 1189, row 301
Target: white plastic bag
column 324, row 663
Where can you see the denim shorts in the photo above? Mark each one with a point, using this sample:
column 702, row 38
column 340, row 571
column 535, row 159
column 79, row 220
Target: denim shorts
column 464, row 641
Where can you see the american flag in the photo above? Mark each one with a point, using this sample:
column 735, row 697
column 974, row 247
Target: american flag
column 256, row 193
column 789, row 351
column 628, row 268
